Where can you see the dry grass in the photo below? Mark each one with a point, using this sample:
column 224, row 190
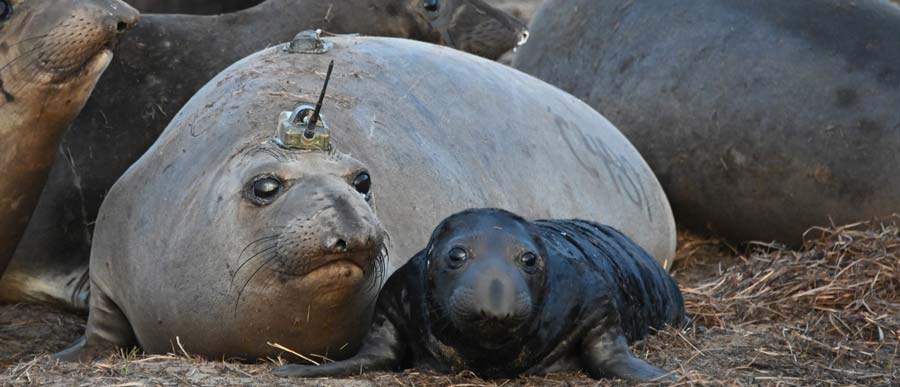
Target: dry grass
column 844, row 286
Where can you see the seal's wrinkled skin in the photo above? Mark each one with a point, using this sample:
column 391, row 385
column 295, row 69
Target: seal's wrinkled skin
column 166, row 59
column 501, row 296
column 51, row 55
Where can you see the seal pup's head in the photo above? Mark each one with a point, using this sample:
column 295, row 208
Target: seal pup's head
column 487, row 274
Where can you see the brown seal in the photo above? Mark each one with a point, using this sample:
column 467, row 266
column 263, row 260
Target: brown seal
column 51, row 55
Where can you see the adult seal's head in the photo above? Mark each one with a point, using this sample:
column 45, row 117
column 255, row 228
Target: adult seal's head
column 51, row 55
column 487, row 276
column 474, row 26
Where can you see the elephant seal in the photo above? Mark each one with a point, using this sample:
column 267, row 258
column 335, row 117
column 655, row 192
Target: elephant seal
column 760, row 118
column 501, row 296
column 159, row 66
column 197, row 7
column 449, row 132
column 51, row 55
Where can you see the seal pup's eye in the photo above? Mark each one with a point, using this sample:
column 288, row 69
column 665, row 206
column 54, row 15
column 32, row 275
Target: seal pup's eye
column 264, row 189
column 529, row 261
column 363, row 184
column 432, row 5
column 457, row 257
column 6, row 10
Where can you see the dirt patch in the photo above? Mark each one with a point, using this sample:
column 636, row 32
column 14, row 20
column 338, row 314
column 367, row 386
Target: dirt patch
column 825, row 315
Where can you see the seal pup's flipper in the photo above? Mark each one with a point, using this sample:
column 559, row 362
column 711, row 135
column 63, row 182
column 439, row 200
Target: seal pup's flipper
column 381, row 351
column 107, row 331
column 606, row 354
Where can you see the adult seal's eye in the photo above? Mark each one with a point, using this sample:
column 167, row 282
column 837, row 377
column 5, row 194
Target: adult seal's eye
column 363, row 184
column 6, row 11
column 265, row 189
column 529, row 261
column 457, row 256
column 432, row 5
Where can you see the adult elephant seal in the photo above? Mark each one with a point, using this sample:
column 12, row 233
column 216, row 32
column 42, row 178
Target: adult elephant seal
column 760, row 118
column 498, row 295
column 51, row 55
column 181, row 248
column 161, row 64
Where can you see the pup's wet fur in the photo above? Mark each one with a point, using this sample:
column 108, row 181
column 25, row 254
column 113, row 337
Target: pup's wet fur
column 501, row 296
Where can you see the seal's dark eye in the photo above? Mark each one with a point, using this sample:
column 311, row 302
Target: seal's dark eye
column 363, row 184
column 529, row 260
column 432, row 5
column 6, row 10
column 266, row 188
column 457, row 256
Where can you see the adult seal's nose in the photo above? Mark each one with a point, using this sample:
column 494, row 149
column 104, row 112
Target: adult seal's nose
column 335, row 245
column 523, row 37
column 118, row 17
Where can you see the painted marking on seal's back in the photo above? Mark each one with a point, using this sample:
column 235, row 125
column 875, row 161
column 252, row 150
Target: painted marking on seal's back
column 624, row 176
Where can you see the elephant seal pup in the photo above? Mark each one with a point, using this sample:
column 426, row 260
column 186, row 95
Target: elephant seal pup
column 51, row 55
column 168, row 58
column 501, row 296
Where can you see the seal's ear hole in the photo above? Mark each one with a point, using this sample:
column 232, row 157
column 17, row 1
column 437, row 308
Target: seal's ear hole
column 263, row 189
column 6, row 10
column 432, row 5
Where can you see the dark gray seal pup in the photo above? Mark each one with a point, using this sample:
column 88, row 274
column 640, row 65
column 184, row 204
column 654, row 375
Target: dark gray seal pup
column 158, row 67
column 51, row 55
column 192, row 242
column 760, row 118
column 501, row 296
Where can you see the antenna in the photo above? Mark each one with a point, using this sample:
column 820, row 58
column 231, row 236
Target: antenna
column 311, row 125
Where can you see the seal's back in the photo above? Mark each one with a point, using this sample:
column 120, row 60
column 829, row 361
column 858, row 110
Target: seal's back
column 646, row 295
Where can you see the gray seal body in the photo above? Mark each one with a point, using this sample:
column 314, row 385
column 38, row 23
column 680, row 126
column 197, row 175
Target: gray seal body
column 436, row 130
column 760, row 118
